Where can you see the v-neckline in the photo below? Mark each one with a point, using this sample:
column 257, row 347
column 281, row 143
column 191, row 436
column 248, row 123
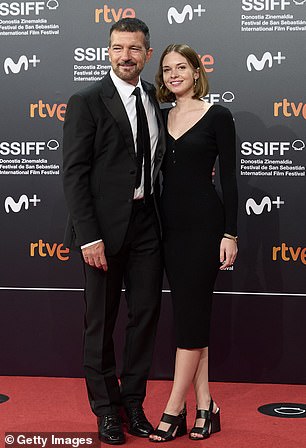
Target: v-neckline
column 191, row 127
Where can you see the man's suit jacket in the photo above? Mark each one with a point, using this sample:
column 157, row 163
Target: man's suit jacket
column 99, row 164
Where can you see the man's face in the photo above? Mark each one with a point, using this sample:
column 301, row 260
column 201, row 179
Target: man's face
column 128, row 54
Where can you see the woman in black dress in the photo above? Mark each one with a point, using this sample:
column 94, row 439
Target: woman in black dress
column 199, row 229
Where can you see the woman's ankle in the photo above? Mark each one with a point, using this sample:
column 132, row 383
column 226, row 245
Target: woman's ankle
column 174, row 408
column 204, row 403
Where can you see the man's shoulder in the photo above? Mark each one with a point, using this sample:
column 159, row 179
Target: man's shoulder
column 94, row 89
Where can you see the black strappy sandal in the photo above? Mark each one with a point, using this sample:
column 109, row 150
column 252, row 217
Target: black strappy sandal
column 211, row 424
column 177, row 428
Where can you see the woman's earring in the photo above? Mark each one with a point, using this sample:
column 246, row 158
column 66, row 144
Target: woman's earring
column 195, row 82
column 161, row 86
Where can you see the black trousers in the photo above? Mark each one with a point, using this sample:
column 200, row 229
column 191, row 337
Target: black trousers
column 139, row 265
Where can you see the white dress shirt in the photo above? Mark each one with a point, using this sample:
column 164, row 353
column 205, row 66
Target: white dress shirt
column 125, row 91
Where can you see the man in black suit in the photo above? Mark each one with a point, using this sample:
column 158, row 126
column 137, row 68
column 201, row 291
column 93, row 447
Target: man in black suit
column 114, row 221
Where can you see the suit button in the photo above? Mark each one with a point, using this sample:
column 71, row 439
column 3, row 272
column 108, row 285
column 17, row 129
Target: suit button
column 129, row 200
column 133, row 172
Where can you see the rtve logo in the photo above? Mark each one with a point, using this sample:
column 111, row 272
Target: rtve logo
column 208, row 61
column 22, row 63
column 289, row 109
column 24, row 201
column 188, row 11
column 26, row 8
column 270, row 148
column 42, row 249
column 109, row 15
column 267, row 5
column 27, row 148
column 289, row 253
column 253, row 62
column 45, row 110
column 266, row 202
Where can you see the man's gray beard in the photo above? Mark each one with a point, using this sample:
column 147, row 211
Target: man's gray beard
column 127, row 76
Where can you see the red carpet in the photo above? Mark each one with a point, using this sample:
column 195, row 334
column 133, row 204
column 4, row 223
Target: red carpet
column 60, row 405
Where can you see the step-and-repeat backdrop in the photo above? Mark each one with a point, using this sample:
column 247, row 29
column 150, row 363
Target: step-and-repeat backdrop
column 254, row 54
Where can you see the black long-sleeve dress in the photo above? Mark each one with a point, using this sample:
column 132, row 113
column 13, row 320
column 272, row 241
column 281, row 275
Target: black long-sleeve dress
column 195, row 218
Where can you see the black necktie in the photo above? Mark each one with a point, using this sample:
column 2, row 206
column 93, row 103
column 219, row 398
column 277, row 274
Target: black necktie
column 143, row 146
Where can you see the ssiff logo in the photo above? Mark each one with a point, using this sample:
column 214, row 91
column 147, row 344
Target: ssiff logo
column 267, row 5
column 270, row 148
column 52, row 4
column 27, row 148
column 26, row 8
column 226, row 97
column 24, row 201
column 267, row 58
column 91, row 54
column 22, row 63
column 266, row 202
column 187, row 12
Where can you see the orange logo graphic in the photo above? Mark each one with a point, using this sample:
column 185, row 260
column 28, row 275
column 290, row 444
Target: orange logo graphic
column 47, row 249
column 289, row 109
column 208, row 62
column 47, row 110
column 109, row 15
column 286, row 253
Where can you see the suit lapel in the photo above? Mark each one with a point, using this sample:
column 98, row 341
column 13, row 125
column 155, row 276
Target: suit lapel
column 113, row 103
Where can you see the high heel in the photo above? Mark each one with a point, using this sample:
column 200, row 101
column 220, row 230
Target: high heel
column 177, row 428
column 211, row 424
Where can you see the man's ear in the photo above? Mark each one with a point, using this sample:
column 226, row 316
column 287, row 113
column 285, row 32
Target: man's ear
column 149, row 54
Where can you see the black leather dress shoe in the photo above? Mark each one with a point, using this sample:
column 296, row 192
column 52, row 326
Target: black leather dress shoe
column 110, row 429
column 137, row 422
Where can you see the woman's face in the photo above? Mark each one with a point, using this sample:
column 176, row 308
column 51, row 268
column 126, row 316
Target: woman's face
column 178, row 75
